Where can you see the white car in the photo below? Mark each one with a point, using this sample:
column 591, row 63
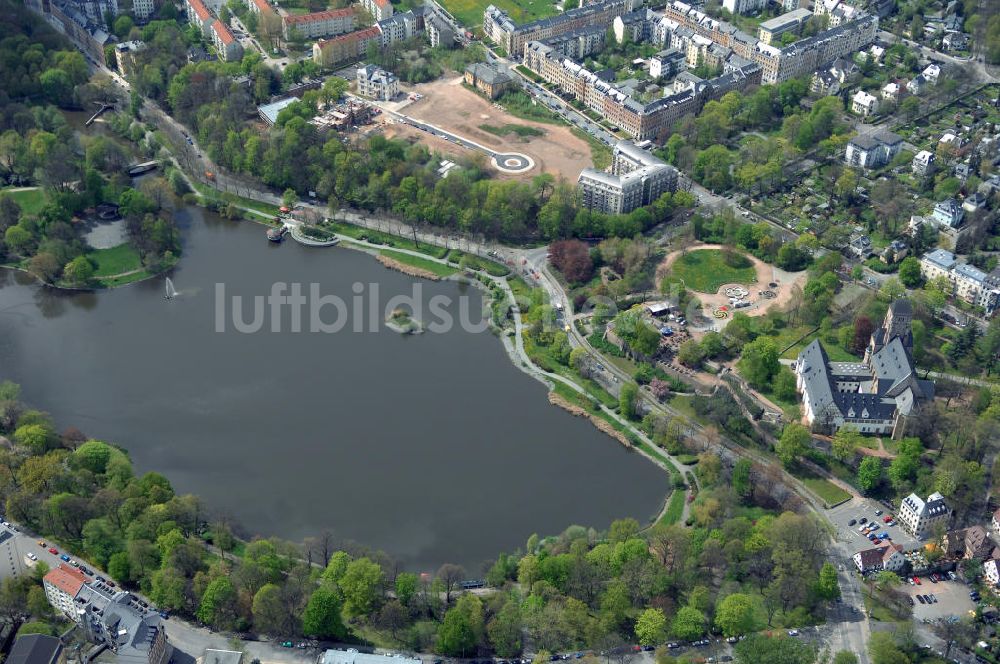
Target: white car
column 793, row 632
column 32, row 556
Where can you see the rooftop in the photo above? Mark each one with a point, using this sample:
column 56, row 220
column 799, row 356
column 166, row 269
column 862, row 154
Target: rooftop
column 67, row 579
column 34, row 649
column 318, row 16
column 352, row 656
column 271, row 111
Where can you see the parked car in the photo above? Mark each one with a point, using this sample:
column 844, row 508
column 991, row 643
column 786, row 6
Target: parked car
column 863, row 520
column 916, row 580
column 41, row 543
column 54, row 551
column 852, row 522
column 64, row 558
column 32, row 556
column 887, row 518
column 921, row 598
column 876, row 541
column 793, row 632
column 910, row 600
column 878, row 512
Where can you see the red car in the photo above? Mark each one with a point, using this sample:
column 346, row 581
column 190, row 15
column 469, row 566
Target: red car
column 54, row 551
column 887, row 518
column 916, row 580
column 876, row 541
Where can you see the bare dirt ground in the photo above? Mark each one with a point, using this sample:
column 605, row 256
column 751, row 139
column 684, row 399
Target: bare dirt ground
column 766, row 274
column 447, row 104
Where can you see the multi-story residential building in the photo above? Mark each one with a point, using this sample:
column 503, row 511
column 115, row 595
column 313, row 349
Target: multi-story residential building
column 69, row 18
column 969, row 282
column 923, row 163
column 666, row 63
column 578, row 44
column 888, row 557
column 488, row 79
column 635, row 26
column 345, row 48
column 743, row 6
column 319, row 24
column 142, row 9
column 62, row 585
column 874, row 396
column 439, row 32
column 948, row 213
column 226, row 45
column 498, row 26
column 920, row 517
column 937, row 263
column 864, row 104
column 931, row 72
column 873, row 150
column 377, row 83
column 379, row 9
column 637, row 178
column 995, row 521
column 399, row 27
column 198, row 14
column 125, row 53
column 771, row 30
column 258, row 6
column 642, row 121
column 991, row 572
column 972, row 543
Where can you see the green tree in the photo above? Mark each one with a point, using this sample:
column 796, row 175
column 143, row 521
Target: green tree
column 504, row 630
column 321, row 619
column 909, row 272
column 712, row 168
column 289, row 198
column 883, row 649
column 734, row 615
column 462, row 628
column 406, row 587
column 759, row 361
column 79, row 271
column 829, row 585
column 742, row 486
column 362, row 587
column 93, row 455
column 627, row 397
column 38, row 438
column 869, row 474
column 793, row 443
column 119, row 566
column 845, row 657
column 218, row 603
column 846, row 442
column 773, row 650
column 651, row 627
column 57, row 86
column 688, row 623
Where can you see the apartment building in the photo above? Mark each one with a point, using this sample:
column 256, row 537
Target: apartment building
column 319, row 24
column 345, row 48
column 743, row 6
column 142, row 9
column 919, row 517
column 258, row 6
column 864, row 104
column 379, row 9
column 873, row 150
column 226, row 45
column 499, row 27
column 488, row 79
column 970, row 283
column 948, row 213
column 198, row 14
column 666, row 63
column 637, row 178
column 771, row 30
column 376, row 83
column 62, row 585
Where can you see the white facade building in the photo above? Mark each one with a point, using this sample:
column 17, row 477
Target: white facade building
column 743, row 6
column 637, row 178
column 376, row 83
column 864, row 104
column 919, row 517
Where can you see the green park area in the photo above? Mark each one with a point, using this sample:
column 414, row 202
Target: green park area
column 115, row 260
column 706, row 270
column 30, row 200
column 470, row 12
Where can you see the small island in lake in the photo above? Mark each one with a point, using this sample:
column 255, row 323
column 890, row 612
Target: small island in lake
column 402, row 322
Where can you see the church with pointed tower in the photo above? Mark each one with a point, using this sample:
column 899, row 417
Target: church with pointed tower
column 873, row 396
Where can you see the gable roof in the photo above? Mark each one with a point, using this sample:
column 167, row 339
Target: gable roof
column 34, row 649
column 67, row 579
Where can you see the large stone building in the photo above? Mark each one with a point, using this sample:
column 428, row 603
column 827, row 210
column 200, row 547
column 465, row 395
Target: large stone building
column 771, row 30
column 377, row 83
column 969, row 283
column 488, row 79
column 873, row 396
column 319, row 24
column 498, row 26
column 379, row 9
column 345, row 48
column 919, row 517
column 875, row 150
column 637, row 178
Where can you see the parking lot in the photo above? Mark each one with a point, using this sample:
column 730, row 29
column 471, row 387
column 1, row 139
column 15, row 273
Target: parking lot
column 952, row 599
column 858, row 508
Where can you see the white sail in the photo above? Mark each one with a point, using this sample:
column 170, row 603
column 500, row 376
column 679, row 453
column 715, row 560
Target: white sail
column 171, row 291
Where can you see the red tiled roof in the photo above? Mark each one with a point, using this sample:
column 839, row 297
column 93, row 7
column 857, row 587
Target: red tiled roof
column 200, row 10
column 357, row 35
column 262, row 5
column 225, row 36
column 318, row 16
column 382, row 3
column 67, row 579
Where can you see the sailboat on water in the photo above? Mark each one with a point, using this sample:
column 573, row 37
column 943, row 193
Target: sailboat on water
column 171, row 292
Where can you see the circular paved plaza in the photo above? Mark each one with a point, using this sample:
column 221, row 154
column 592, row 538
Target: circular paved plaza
column 512, row 162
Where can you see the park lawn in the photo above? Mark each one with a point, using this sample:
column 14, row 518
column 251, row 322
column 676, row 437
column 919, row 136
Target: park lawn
column 131, row 278
column 675, row 508
column 30, row 200
column 476, row 263
column 378, row 237
column 470, row 12
column 422, row 263
column 830, row 493
column 116, row 260
column 705, row 271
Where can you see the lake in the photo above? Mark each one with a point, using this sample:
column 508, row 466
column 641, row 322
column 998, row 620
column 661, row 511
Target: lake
column 433, row 447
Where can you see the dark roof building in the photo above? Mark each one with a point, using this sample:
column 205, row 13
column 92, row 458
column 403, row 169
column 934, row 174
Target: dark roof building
column 36, row 649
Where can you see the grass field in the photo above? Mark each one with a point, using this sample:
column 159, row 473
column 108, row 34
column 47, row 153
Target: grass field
column 706, row 270
column 30, row 200
column 521, row 131
column 422, row 263
column 115, row 260
column 470, row 12
column 830, row 493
